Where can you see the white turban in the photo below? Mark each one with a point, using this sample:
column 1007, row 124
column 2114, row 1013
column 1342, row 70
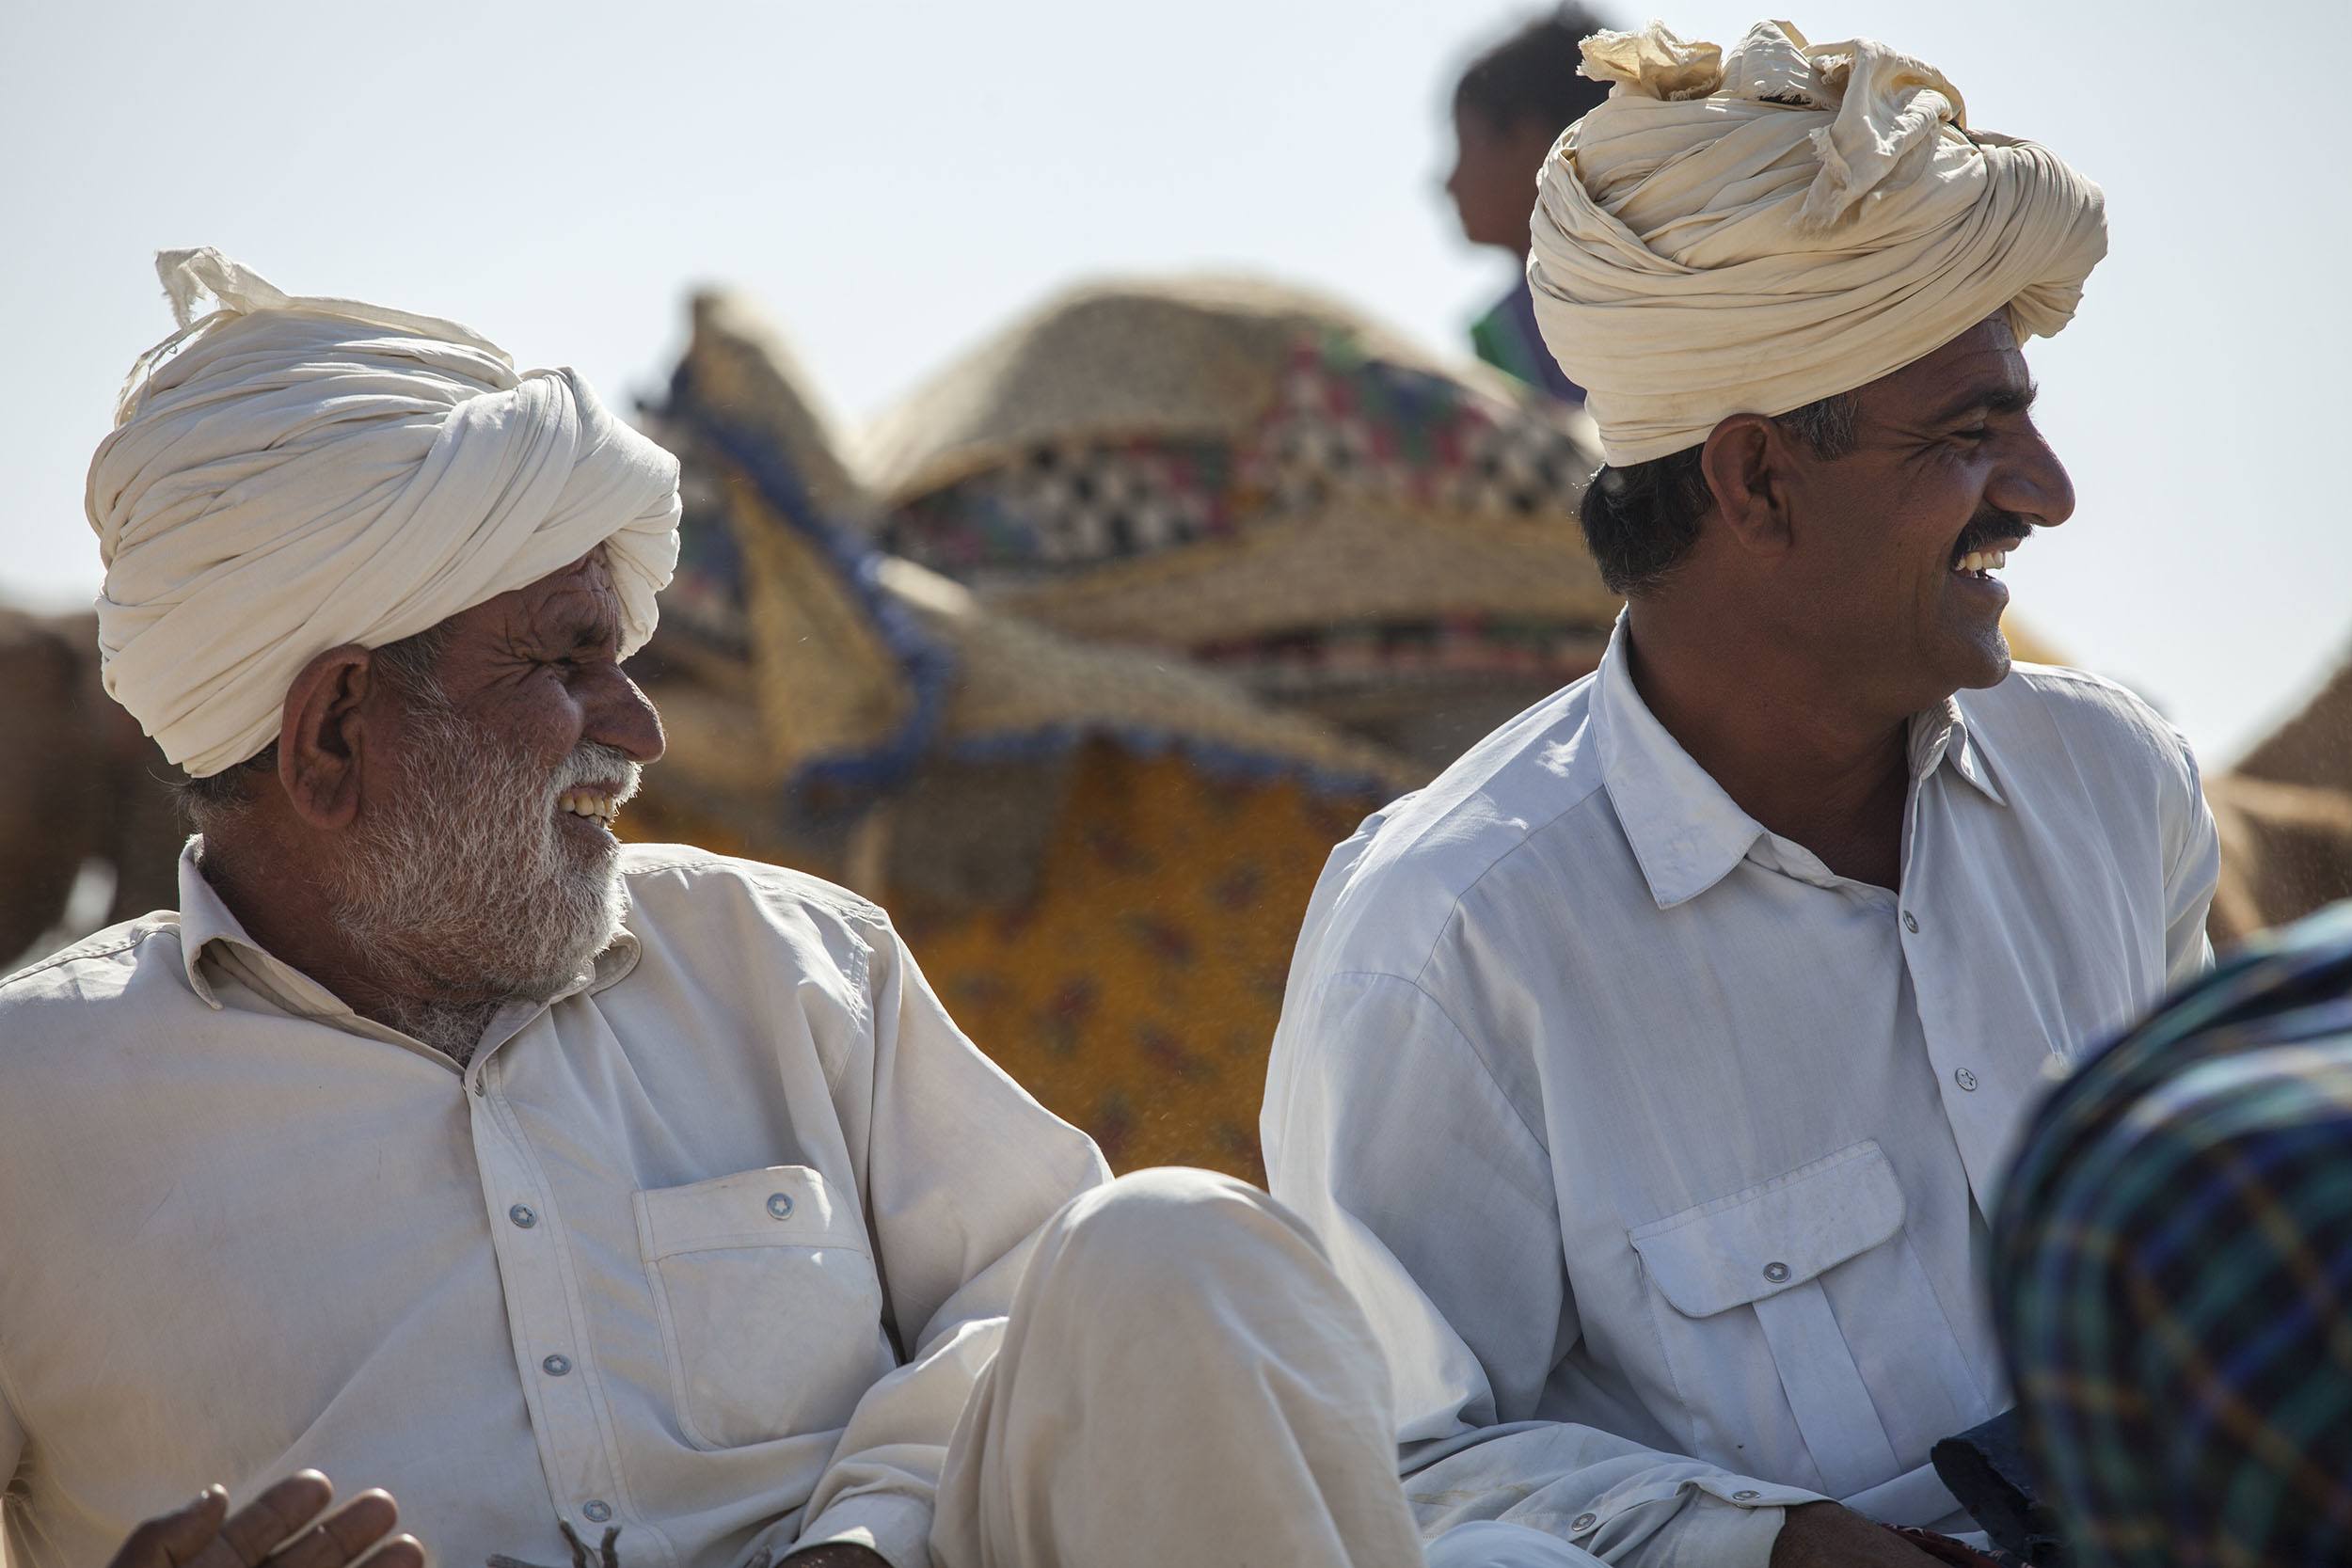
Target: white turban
column 1753, row 233
column 290, row 474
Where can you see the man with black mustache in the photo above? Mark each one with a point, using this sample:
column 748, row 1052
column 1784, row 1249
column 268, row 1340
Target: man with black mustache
column 1650, row 1074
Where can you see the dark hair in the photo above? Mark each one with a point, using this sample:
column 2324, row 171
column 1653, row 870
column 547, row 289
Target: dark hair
column 408, row 663
column 1532, row 74
column 1640, row 521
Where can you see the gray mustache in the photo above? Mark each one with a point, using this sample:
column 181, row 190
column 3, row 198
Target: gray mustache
column 592, row 762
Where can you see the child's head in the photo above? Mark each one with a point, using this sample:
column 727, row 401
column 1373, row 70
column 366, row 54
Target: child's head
column 1510, row 106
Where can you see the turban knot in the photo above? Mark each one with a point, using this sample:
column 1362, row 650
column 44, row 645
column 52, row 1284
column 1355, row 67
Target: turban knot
column 1752, row 231
column 288, row 474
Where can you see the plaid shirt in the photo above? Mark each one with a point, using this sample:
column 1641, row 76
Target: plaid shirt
column 2173, row 1272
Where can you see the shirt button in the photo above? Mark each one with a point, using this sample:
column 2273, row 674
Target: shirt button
column 596, row 1512
column 1745, row 1496
column 522, row 1215
column 1582, row 1522
column 780, row 1205
column 1965, row 1079
column 1776, row 1273
column 1911, row 923
column 556, row 1365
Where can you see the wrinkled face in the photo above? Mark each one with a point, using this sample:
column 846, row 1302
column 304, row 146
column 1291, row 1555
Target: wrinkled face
column 483, row 860
column 1493, row 180
column 1892, row 570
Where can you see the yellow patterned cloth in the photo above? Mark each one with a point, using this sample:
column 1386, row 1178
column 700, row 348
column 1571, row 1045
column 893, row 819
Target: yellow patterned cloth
column 1135, row 991
column 1138, row 993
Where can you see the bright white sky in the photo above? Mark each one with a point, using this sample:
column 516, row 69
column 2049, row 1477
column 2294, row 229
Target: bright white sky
column 894, row 181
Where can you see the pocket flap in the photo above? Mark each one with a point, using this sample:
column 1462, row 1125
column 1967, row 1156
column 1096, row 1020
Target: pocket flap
column 1773, row 1236
column 780, row 1206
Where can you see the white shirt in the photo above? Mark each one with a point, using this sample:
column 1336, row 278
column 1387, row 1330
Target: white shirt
column 1657, row 1152
column 712, row 1247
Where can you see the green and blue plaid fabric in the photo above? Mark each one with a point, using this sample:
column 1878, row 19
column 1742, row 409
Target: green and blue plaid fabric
column 2173, row 1272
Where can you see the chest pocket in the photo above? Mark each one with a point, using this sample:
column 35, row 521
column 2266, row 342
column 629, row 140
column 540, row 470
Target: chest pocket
column 1816, row 1266
column 771, row 1309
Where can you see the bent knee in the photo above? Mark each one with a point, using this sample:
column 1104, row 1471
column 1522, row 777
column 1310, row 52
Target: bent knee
column 1170, row 1226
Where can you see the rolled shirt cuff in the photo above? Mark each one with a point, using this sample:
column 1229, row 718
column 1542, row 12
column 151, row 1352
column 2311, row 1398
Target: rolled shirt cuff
column 1715, row 1521
column 897, row 1527
column 1492, row 1544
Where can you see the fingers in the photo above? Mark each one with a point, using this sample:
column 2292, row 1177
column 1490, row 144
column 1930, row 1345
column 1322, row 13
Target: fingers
column 343, row 1536
column 175, row 1539
column 276, row 1530
column 261, row 1526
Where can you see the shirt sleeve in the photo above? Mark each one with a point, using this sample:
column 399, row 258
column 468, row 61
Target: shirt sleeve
column 960, row 1169
column 2195, row 845
column 1386, row 1131
column 11, row 1454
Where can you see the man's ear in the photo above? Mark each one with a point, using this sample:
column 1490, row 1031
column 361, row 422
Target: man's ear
column 321, row 736
column 1741, row 463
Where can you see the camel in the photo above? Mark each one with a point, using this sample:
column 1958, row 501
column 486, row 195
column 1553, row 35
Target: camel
column 1080, row 660
column 1093, row 770
column 80, row 787
column 2285, row 816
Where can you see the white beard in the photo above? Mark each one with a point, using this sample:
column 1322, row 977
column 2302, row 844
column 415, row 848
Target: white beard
column 463, row 887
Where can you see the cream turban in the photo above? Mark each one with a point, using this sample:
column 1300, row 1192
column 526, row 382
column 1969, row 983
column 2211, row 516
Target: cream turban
column 289, row 474
column 1754, row 231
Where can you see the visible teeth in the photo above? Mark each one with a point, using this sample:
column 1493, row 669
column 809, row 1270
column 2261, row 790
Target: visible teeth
column 1972, row 562
column 584, row 802
column 2000, row 558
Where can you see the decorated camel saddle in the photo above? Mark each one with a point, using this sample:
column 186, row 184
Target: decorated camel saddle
column 1082, row 662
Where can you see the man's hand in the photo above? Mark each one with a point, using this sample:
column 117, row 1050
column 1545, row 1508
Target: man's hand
column 1823, row 1535
column 280, row 1529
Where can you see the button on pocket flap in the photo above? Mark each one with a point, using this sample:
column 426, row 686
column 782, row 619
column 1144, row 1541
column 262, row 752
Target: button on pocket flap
column 780, row 1206
column 1775, row 1235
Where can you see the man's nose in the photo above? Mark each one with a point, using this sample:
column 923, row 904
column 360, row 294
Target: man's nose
column 2033, row 484
column 622, row 717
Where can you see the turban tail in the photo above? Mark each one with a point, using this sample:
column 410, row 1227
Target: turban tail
column 290, row 474
column 1753, row 233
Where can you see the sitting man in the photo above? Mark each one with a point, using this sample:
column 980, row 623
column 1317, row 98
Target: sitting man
column 561, row 1189
column 1649, row 1073
column 2173, row 1272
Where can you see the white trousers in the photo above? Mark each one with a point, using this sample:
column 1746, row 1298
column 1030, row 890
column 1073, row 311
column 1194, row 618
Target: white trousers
column 1185, row 1381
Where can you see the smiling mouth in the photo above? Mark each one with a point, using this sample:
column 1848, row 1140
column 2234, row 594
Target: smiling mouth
column 1980, row 565
column 598, row 805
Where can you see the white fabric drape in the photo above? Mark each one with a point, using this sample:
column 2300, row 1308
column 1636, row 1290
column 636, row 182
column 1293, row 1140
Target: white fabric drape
column 1752, row 232
column 288, row 474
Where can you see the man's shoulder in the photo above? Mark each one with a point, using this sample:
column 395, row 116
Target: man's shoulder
column 692, row 872
column 102, row 960
column 1391, row 892
column 677, row 880
column 71, row 995
column 2089, row 716
column 2077, row 695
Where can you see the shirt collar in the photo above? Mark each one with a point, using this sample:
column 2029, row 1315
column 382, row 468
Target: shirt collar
column 1685, row 830
column 205, row 920
column 1966, row 748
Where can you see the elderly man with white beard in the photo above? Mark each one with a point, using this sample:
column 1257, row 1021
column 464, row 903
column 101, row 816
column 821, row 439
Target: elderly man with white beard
column 569, row 1193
